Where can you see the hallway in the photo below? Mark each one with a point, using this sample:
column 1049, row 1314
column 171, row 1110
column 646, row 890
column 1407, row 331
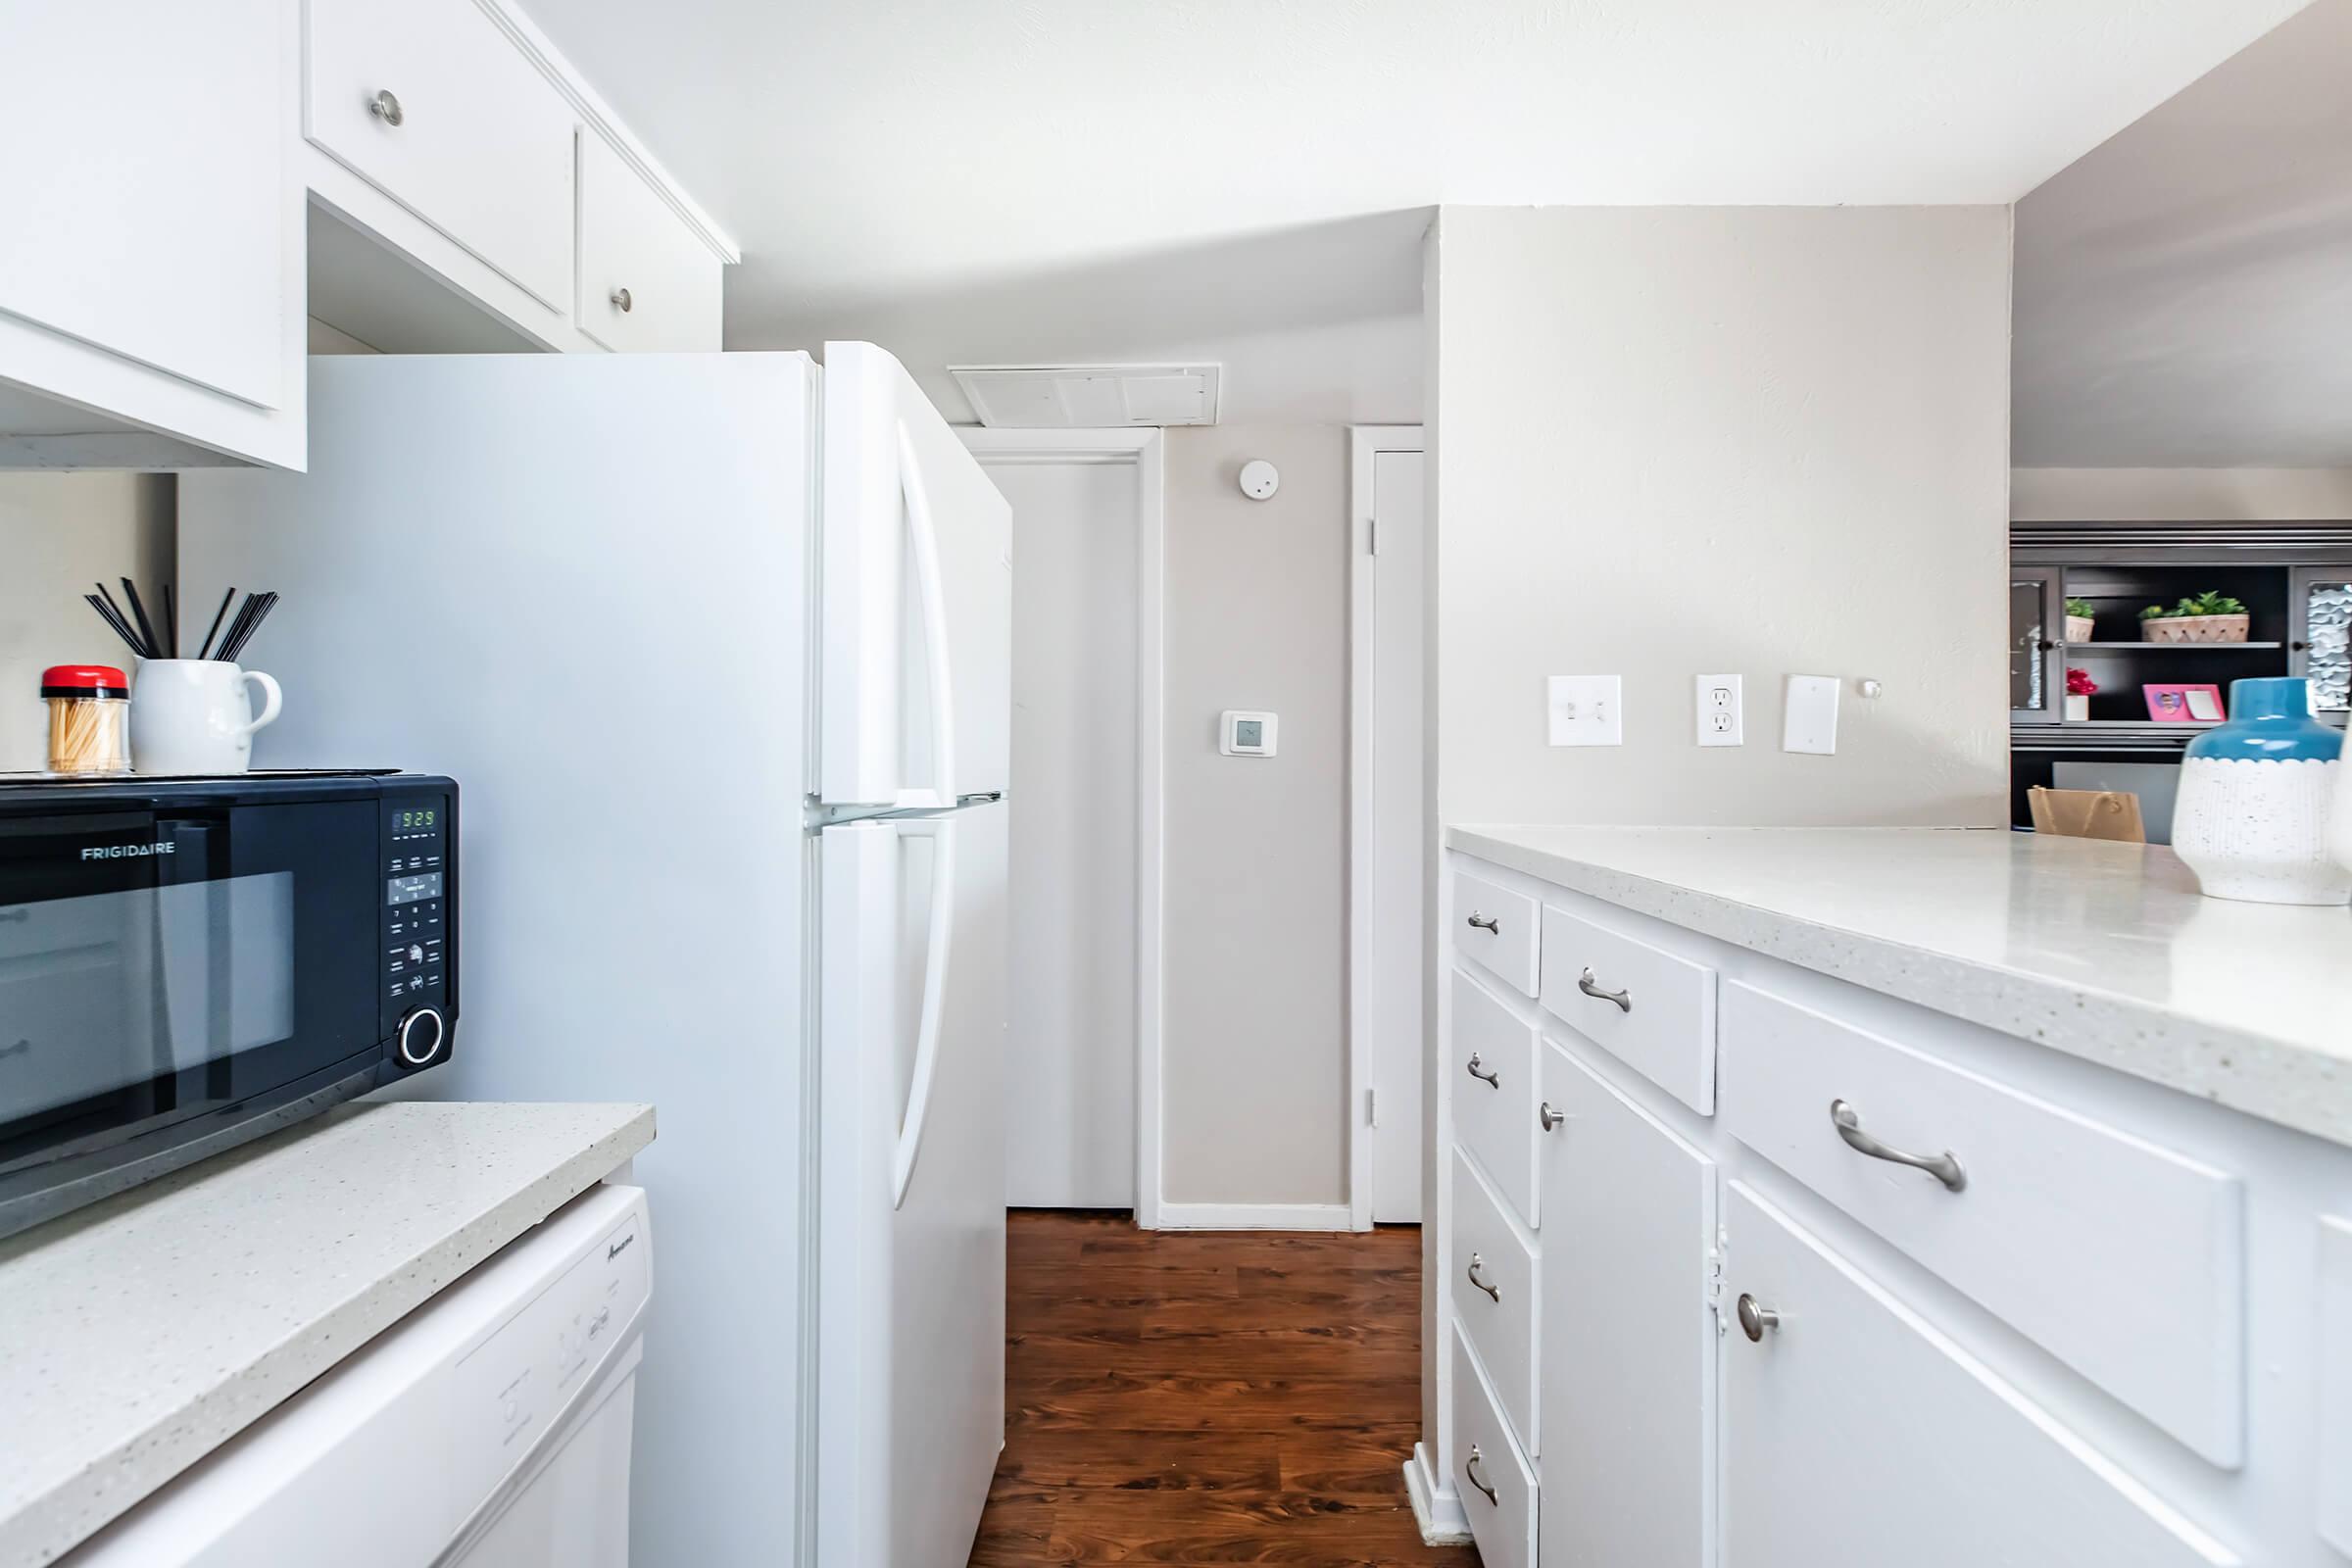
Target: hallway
column 1207, row 1397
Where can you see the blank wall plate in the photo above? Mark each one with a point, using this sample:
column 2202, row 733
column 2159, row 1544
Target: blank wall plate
column 1586, row 709
column 1720, row 717
column 1809, row 719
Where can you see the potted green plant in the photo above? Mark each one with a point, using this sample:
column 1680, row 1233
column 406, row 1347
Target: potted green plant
column 2079, row 623
column 2206, row 617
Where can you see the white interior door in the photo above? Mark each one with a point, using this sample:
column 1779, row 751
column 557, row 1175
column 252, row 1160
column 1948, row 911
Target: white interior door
column 914, row 665
column 1393, row 863
column 1071, row 1054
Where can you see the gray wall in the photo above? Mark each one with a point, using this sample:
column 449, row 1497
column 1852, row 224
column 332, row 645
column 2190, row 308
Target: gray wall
column 1686, row 440
column 1253, row 1054
column 2178, row 494
column 60, row 533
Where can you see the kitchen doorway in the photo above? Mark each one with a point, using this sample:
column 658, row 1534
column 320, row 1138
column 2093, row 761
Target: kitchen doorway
column 1082, row 1048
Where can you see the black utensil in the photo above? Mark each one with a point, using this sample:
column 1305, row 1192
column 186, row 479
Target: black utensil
column 170, row 622
column 130, row 634
column 113, row 622
column 258, row 607
column 130, row 591
column 206, row 652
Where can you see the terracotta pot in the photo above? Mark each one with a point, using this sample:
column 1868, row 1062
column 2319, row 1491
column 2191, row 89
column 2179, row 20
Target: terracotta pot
column 2195, row 629
column 2079, row 628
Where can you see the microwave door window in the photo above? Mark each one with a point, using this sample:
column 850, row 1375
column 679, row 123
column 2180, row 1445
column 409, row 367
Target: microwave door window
column 114, row 990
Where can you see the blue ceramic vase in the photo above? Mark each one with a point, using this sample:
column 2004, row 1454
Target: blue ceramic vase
column 2256, row 795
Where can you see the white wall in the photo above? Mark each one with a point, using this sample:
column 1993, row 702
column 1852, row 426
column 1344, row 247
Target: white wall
column 2178, row 494
column 1764, row 440
column 1254, row 1068
column 59, row 534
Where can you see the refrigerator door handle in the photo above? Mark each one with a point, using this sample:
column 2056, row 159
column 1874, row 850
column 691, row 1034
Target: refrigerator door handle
column 923, row 534
column 935, row 996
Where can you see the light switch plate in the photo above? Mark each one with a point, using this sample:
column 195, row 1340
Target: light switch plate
column 1586, row 709
column 1720, row 709
column 1809, row 717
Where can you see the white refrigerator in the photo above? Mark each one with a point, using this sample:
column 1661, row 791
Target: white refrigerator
column 718, row 648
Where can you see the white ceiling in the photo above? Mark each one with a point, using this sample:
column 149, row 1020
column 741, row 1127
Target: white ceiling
column 2184, row 292
column 1246, row 181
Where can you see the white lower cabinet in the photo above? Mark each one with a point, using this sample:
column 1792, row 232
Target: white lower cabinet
column 1496, row 1484
column 1628, row 1405
column 1855, row 1432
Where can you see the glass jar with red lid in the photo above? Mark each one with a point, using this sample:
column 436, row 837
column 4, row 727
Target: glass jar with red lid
column 89, row 718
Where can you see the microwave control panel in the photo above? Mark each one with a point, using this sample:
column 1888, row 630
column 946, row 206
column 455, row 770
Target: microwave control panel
column 417, row 912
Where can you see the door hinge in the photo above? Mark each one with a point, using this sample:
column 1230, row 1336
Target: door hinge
column 1715, row 1281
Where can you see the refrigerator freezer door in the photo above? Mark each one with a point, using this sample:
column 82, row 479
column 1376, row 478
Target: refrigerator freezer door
column 915, row 665
column 910, row 1299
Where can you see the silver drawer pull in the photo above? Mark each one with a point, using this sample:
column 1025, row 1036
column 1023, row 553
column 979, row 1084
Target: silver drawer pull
column 1551, row 1118
column 621, row 298
column 386, row 107
column 1944, row 1167
column 1755, row 1319
column 1492, row 1080
column 1623, row 999
column 1485, row 923
column 1492, row 1292
column 1470, row 1470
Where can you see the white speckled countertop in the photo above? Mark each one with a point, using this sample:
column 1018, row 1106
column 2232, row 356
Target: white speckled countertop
column 2105, row 950
column 138, row 1334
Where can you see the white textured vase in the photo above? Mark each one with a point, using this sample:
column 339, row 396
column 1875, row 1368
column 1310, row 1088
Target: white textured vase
column 2339, row 825
column 2260, row 830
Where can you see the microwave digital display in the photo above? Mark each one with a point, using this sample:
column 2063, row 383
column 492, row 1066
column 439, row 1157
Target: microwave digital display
column 412, row 888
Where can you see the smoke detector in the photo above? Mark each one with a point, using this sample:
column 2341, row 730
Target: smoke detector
column 1089, row 397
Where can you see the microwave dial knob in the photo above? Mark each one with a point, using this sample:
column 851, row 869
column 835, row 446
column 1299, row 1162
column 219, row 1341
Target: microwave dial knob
column 421, row 1035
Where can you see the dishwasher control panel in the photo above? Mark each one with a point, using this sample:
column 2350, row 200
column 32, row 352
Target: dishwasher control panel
column 510, row 1386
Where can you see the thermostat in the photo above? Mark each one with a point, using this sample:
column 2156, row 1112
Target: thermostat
column 1247, row 734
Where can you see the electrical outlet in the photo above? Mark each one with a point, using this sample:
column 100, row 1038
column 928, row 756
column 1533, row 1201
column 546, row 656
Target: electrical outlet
column 1719, row 708
column 1585, row 709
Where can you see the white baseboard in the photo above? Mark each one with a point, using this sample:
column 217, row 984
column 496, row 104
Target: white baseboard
column 1437, row 1508
column 1255, row 1217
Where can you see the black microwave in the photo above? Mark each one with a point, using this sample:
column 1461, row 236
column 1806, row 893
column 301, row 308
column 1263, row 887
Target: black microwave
column 189, row 963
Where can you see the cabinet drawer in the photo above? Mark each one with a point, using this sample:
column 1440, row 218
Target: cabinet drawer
column 1498, row 1485
column 1496, row 927
column 483, row 147
column 2122, row 1258
column 1649, row 1009
column 1493, row 1274
column 1915, row 1452
column 1494, row 1065
column 648, row 285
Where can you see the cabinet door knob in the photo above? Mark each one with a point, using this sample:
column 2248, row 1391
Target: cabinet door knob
column 1470, row 1470
column 1493, row 1294
column 1492, row 1080
column 1944, row 1167
column 1623, row 999
column 620, row 297
column 1754, row 1319
column 1485, row 923
column 386, row 107
column 1549, row 1117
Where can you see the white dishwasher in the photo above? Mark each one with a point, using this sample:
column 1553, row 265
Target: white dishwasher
column 488, row 1428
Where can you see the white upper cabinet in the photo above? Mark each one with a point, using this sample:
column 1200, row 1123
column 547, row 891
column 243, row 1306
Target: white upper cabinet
column 151, row 253
column 431, row 102
column 648, row 284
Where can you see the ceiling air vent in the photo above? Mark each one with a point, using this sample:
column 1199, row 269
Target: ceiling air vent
column 1089, row 397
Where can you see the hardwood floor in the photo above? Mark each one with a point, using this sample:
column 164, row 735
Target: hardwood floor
column 1207, row 1398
